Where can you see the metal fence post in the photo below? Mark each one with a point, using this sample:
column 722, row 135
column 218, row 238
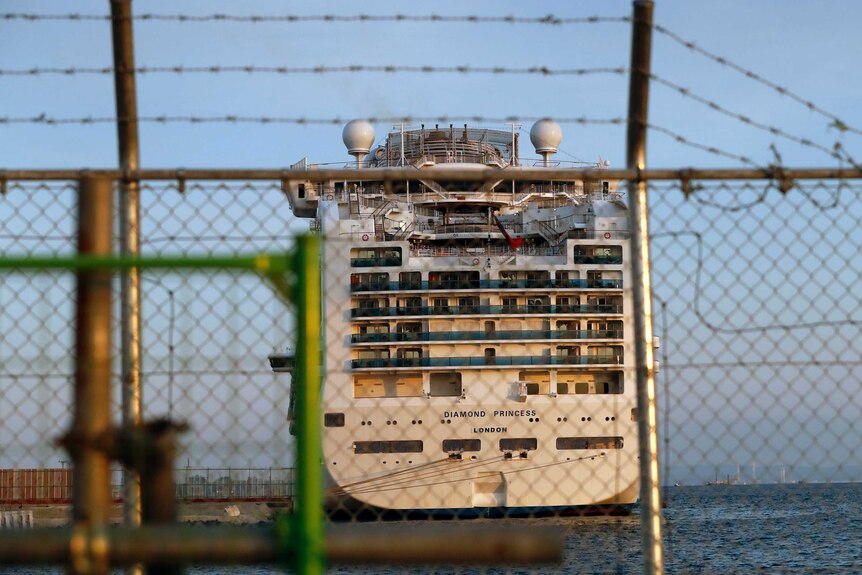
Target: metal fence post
column 91, row 425
column 130, row 294
column 641, row 290
column 309, row 503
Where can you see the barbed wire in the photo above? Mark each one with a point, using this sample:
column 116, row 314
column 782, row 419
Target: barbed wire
column 44, row 119
column 696, row 190
column 240, row 119
column 430, row 69
column 548, row 19
column 836, row 122
column 774, row 130
column 679, row 138
column 350, row 68
column 716, row 328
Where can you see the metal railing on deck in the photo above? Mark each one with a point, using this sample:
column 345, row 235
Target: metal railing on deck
column 589, row 283
column 484, row 335
column 484, row 310
column 484, row 361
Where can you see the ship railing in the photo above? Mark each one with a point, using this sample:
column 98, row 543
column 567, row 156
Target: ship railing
column 374, row 262
column 369, row 286
column 506, row 335
column 495, row 251
column 465, row 228
column 579, row 259
column 484, row 310
column 480, row 361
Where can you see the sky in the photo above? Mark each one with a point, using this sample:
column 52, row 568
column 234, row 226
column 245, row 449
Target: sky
column 807, row 47
column 811, row 48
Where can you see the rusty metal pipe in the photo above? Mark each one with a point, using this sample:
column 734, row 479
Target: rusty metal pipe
column 91, row 425
column 129, row 215
column 224, row 545
column 636, row 150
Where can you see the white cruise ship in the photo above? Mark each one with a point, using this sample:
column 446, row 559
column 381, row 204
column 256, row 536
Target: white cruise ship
column 478, row 335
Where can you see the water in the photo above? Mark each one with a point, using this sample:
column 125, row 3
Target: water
column 760, row 529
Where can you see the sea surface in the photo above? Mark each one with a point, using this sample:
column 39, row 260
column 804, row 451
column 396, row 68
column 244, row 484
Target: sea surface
column 761, row 529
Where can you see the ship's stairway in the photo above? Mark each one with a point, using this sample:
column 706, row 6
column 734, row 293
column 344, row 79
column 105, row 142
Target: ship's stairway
column 548, row 232
column 406, row 231
column 382, row 210
column 378, row 216
column 378, row 229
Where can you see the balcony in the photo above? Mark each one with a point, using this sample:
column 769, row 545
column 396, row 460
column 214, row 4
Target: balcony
column 484, row 284
column 484, row 336
column 436, row 362
column 495, row 310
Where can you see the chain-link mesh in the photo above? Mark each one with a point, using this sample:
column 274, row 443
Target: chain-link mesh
column 470, row 377
column 756, row 301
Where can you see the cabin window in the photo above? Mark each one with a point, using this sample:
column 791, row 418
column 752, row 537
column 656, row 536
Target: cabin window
column 333, row 420
column 409, row 331
column 564, row 443
column 537, row 382
column 410, row 280
column 608, row 354
column 445, row 385
column 567, row 301
column 371, row 257
column 537, row 279
column 388, row 385
column 374, row 328
column 373, row 353
column 404, row 446
column 461, row 445
column 584, row 383
column 490, row 356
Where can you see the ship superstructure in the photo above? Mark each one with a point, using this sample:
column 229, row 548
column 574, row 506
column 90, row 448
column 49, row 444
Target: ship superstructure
column 478, row 335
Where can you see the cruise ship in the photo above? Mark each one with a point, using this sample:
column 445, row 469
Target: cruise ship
column 478, row 335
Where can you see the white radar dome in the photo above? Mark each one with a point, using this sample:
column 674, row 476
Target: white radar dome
column 546, row 136
column 358, row 136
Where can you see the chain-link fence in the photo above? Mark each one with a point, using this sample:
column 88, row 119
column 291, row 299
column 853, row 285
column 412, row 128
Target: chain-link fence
column 469, row 375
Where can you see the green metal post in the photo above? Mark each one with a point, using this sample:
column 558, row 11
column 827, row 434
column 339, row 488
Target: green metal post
column 307, row 379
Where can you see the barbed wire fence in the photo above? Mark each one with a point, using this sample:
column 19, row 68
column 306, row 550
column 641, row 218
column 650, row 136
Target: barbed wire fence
column 753, row 290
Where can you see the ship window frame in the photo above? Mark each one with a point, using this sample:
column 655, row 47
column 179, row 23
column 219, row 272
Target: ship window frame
column 508, row 444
